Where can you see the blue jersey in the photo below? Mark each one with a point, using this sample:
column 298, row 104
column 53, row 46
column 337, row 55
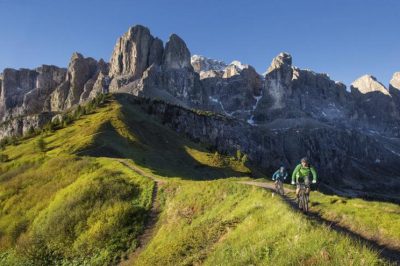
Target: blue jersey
column 279, row 175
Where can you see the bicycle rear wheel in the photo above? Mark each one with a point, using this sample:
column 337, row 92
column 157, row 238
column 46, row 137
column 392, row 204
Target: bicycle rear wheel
column 281, row 190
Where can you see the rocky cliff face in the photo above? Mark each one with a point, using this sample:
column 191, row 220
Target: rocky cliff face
column 335, row 152
column 290, row 92
column 85, row 78
column 142, row 66
column 24, row 91
column 233, row 89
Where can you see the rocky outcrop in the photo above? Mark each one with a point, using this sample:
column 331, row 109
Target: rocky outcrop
column 395, row 81
column 394, row 88
column 85, row 78
column 368, row 94
column 367, row 84
column 28, row 97
column 24, row 91
column 233, row 89
column 21, row 125
column 203, row 64
column 140, row 65
column 131, row 53
column 176, row 54
column 290, row 92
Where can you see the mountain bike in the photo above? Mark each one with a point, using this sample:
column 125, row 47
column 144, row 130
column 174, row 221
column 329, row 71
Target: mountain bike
column 279, row 187
column 303, row 198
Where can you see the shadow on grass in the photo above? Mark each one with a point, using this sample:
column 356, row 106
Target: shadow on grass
column 155, row 147
column 390, row 254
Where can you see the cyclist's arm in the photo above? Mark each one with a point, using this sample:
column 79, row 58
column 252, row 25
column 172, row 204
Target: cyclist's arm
column 274, row 175
column 314, row 174
column 295, row 171
column 286, row 174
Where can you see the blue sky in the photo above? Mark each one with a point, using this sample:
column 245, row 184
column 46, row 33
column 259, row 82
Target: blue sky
column 344, row 38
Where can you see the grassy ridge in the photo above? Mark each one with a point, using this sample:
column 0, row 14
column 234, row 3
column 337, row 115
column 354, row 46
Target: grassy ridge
column 65, row 199
column 58, row 207
column 225, row 223
column 379, row 221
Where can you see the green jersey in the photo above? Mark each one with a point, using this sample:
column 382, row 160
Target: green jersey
column 301, row 172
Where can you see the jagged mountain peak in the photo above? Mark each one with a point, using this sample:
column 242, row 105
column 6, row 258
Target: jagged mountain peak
column 176, row 53
column 395, row 81
column 368, row 83
column 282, row 59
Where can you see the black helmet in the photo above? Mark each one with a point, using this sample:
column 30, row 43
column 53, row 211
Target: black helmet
column 305, row 160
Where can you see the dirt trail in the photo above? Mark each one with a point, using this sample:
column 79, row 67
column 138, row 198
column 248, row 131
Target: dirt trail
column 390, row 254
column 150, row 225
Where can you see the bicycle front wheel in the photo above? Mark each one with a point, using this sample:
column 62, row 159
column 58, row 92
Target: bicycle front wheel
column 305, row 203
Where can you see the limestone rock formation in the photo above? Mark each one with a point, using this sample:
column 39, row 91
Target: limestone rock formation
column 394, row 89
column 374, row 106
column 233, row 89
column 367, row 84
column 83, row 76
column 24, row 91
column 290, row 92
column 204, row 64
column 176, row 54
column 395, row 81
column 140, row 65
column 131, row 52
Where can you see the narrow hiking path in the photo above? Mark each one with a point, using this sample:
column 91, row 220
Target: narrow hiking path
column 386, row 252
column 150, row 226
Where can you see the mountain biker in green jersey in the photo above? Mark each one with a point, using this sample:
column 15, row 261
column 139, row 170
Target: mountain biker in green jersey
column 303, row 173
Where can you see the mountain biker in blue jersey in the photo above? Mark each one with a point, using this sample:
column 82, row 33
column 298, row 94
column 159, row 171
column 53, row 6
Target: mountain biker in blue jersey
column 280, row 174
column 303, row 173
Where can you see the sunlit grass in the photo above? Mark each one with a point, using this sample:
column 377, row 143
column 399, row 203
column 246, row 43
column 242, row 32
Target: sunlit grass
column 225, row 223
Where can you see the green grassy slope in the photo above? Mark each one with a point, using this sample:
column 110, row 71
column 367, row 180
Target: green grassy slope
column 226, row 223
column 73, row 203
column 378, row 221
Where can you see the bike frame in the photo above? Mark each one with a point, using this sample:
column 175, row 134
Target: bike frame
column 303, row 197
column 279, row 187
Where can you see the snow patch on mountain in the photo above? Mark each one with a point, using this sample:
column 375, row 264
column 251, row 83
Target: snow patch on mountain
column 202, row 63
